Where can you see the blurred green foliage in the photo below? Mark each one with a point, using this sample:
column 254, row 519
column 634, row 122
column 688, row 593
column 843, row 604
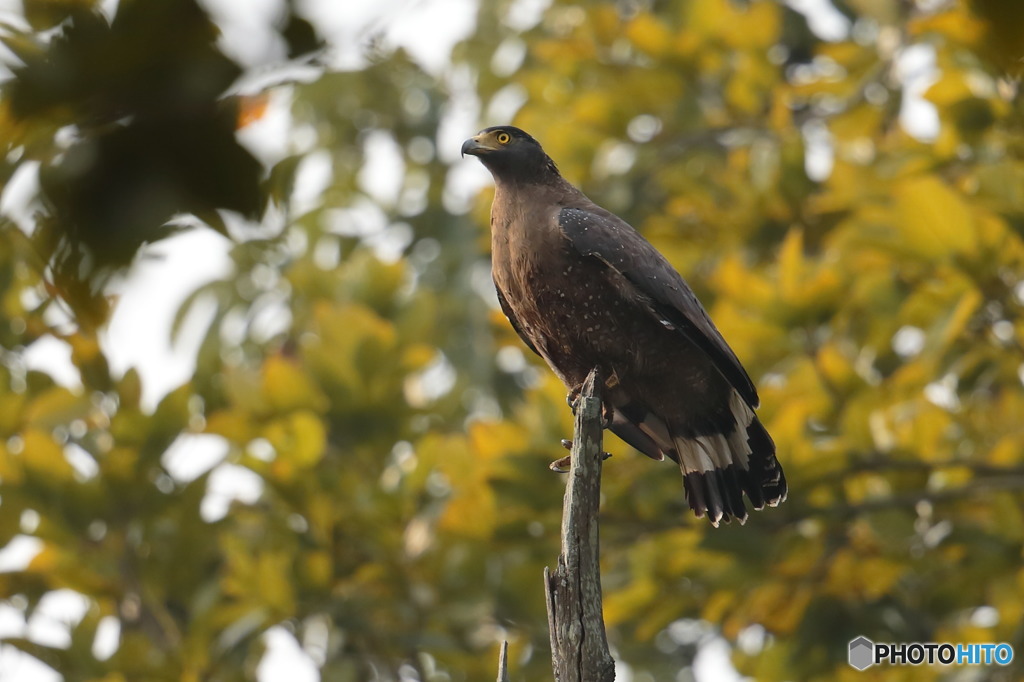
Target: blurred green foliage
column 406, row 509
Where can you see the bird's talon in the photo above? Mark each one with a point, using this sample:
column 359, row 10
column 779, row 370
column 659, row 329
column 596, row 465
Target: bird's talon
column 573, row 399
column 561, row 465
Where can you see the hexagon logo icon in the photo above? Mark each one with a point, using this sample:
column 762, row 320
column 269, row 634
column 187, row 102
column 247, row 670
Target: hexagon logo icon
column 862, row 653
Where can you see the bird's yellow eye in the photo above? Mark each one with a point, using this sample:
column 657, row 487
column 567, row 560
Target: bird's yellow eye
column 503, row 138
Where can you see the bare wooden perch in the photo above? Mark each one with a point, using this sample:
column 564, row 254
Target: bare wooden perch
column 503, row 663
column 579, row 646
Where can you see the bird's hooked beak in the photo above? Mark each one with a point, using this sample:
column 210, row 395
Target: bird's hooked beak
column 476, row 145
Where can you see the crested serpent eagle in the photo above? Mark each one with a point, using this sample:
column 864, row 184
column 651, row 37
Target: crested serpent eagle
column 583, row 289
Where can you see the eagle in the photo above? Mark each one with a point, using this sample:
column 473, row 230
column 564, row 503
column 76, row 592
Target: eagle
column 585, row 290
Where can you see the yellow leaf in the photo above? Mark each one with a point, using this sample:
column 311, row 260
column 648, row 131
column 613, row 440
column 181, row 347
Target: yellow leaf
column 273, row 583
column 129, row 389
column 932, row 219
column 11, row 405
column 800, row 561
column 491, row 439
column 120, row 462
column 622, row 605
column 84, row 347
column 856, row 126
column 719, row 605
column 234, row 425
column 649, row 34
column 734, row 280
column 321, row 514
column 418, row 355
column 56, row 407
column 855, row 577
column 299, row 438
column 778, row 605
column 846, row 54
column 791, row 261
column 318, row 567
column 606, row 23
column 956, row 24
column 754, row 26
column 1007, row 451
column 836, row 366
column 354, row 345
column 748, row 336
column 949, row 89
column 789, row 426
column 961, row 315
column 46, row 561
column 592, row 107
column 286, row 386
column 742, row 95
column 471, row 513
column 44, row 456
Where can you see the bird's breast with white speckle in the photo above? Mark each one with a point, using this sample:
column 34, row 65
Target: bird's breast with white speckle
column 577, row 312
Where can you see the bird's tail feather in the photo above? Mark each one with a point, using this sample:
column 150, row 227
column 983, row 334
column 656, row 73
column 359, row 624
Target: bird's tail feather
column 717, row 468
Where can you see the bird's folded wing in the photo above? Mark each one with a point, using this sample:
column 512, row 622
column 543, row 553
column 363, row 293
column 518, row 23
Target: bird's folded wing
column 598, row 233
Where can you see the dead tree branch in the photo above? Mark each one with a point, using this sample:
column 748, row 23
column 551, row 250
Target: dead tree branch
column 503, row 663
column 579, row 646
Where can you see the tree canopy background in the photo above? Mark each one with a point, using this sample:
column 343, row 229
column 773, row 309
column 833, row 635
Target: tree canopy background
column 871, row 281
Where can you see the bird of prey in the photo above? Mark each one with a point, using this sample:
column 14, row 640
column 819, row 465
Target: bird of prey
column 583, row 289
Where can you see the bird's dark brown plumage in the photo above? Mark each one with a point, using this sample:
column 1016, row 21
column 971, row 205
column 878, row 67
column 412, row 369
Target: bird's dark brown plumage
column 583, row 289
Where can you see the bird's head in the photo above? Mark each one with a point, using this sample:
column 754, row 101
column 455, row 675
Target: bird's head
column 510, row 154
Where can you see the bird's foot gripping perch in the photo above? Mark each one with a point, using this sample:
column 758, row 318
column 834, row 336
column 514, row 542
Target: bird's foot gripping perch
column 561, row 465
column 573, row 400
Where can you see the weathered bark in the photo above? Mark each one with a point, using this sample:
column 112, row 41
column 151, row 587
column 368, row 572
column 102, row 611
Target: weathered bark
column 579, row 646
